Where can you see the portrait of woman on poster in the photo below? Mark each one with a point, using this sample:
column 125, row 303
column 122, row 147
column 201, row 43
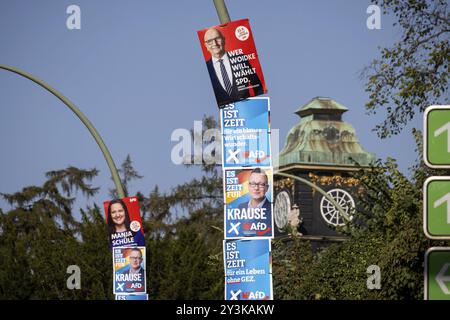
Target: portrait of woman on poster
column 119, row 225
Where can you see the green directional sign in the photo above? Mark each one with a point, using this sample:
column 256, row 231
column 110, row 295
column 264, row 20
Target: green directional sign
column 437, row 273
column 436, row 208
column 437, row 137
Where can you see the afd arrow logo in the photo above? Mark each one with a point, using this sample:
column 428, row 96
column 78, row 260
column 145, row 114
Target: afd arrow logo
column 233, row 155
column 234, row 227
column 441, row 130
column 441, row 201
column 235, row 295
column 120, row 286
column 441, row 278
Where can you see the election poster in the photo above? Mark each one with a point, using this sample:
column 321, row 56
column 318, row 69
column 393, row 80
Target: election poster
column 248, row 202
column 248, row 269
column 123, row 219
column 129, row 270
column 131, row 296
column 251, row 287
column 243, row 258
column 232, row 61
column 246, row 133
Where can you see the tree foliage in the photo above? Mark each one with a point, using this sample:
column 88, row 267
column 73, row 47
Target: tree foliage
column 40, row 238
column 386, row 231
column 42, row 235
column 414, row 72
column 128, row 174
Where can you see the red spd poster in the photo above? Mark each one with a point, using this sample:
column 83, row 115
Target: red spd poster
column 123, row 218
column 232, row 61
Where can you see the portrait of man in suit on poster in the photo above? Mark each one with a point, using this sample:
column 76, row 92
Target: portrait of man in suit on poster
column 224, row 68
column 135, row 265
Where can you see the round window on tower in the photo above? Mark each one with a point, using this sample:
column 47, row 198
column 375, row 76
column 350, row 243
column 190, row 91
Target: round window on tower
column 329, row 212
column 282, row 208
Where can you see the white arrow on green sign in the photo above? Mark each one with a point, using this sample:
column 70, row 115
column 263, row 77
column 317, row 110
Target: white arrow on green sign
column 444, row 199
column 441, row 130
column 441, row 278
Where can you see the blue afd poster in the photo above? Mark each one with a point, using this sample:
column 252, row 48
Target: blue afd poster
column 248, row 268
column 129, row 270
column 248, row 203
column 246, row 133
column 131, row 296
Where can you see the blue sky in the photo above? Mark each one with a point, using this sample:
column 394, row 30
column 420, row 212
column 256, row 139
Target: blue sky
column 136, row 70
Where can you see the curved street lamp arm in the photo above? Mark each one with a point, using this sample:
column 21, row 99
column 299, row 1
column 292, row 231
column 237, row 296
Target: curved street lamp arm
column 82, row 117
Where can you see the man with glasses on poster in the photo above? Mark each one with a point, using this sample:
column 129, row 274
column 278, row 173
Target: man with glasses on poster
column 258, row 185
column 135, row 268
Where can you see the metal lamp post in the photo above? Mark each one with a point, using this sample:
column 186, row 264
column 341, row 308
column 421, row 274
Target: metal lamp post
column 82, row 117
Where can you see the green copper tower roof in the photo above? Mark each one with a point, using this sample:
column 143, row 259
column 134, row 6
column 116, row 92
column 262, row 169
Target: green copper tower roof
column 321, row 105
column 322, row 138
